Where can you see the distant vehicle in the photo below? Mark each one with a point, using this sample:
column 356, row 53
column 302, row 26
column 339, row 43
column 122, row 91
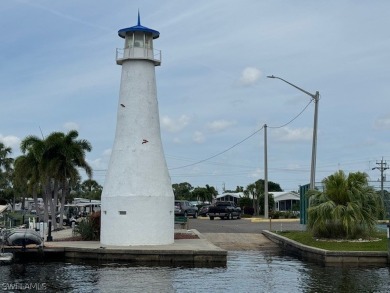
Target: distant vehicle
column 184, row 208
column 204, row 211
column 224, row 210
column 67, row 221
column 194, row 203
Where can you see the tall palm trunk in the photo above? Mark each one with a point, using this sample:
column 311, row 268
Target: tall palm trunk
column 48, row 201
column 55, row 203
column 64, row 193
column 45, row 207
column 35, row 198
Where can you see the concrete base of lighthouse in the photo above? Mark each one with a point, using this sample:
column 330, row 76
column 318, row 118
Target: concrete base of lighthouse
column 137, row 220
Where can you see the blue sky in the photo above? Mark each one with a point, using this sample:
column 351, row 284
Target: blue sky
column 58, row 72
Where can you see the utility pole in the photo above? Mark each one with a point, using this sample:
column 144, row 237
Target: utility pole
column 383, row 167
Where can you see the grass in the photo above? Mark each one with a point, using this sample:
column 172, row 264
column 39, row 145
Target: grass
column 306, row 238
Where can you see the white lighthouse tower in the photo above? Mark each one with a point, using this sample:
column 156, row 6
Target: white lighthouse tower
column 137, row 199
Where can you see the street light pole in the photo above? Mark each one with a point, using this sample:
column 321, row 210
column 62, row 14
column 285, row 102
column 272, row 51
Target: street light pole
column 266, row 208
column 316, row 98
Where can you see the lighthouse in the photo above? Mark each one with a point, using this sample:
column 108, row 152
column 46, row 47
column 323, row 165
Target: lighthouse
column 137, row 198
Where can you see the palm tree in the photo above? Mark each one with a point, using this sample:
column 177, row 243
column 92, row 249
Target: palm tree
column 6, row 164
column 256, row 191
column 91, row 189
column 347, row 208
column 5, row 161
column 26, row 175
column 64, row 155
column 57, row 159
column 31, row 163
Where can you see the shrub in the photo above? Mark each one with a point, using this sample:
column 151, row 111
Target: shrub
column 275, row 214
column 289, row 215
column 89, row 227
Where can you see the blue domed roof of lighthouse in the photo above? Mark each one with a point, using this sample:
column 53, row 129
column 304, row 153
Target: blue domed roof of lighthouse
column 138, row 28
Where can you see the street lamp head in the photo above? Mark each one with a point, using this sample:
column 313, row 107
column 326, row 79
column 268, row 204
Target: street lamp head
column 271, row 76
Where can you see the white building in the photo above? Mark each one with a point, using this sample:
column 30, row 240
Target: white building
column 137, row 199
column 230, row 196
column 286, row 200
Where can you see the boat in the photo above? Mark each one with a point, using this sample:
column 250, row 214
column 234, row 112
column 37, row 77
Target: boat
column 22, row 237
column 6, row 257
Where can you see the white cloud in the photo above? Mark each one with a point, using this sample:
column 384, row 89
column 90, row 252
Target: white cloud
column 96, row 163
column 257, row 173
column 177, row 140
column 173, row 125
column 250, row 76
column 382, row 123
column 102, row 161
column 290, row 134
column 198, row 137
column 10, row 141
column 71, row 126
column 107, row 152
column 220, row 125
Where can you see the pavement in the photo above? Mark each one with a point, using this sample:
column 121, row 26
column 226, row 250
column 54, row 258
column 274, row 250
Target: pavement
column 193, row 252
column 205, row 242
column 198, row 244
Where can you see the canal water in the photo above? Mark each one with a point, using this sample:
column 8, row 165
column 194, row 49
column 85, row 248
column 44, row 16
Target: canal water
column 246, row 271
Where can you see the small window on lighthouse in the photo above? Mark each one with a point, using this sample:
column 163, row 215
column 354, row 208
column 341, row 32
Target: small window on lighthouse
column 122, row 213
column 129, row 41
column 148, row 41
column 138, row 40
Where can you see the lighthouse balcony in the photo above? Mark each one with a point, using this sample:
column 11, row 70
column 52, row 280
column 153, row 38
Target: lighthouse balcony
column 134, row 53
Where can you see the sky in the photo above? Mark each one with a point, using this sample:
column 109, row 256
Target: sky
column 58, row 72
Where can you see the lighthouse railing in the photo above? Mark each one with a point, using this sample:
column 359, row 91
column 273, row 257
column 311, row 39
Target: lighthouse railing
column 137, row 53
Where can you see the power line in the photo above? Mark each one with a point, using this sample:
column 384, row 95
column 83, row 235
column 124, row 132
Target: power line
column 220, row 153
column 300, row 113
column 240, row 142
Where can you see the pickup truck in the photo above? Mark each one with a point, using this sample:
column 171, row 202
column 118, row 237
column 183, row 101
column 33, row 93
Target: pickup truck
column 224, row 210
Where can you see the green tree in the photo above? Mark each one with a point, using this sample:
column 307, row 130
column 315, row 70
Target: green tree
column 204, row 193
column 238, row 189
column 57, row 159
column 256, row 192
column 347, row 208
column 211, row 193
column 6, row 172
column 90, row 189
column 63, row 156
column 26, row 176
column 30, row 168
column 182, row 190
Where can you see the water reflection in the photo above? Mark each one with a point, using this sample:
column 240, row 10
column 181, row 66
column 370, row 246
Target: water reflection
column 248, row 271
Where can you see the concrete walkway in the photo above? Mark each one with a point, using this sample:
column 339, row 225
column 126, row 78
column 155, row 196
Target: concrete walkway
column 182, row 244
column 198, row 252
column 209, row 241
